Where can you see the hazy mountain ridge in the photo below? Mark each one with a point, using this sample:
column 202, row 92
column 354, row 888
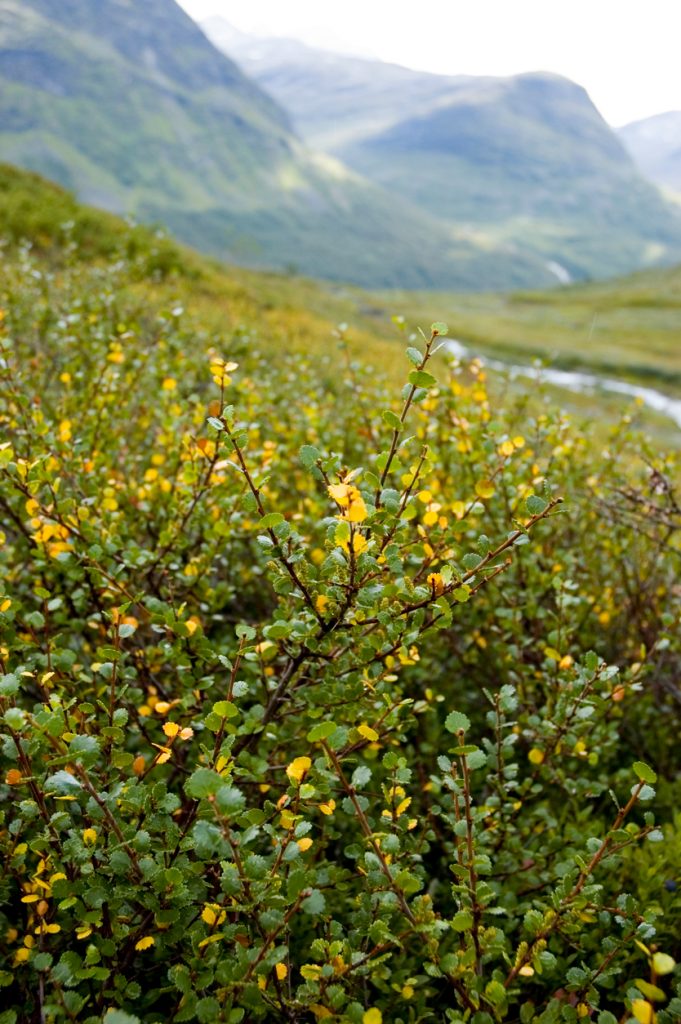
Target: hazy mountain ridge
column 655, row 145
column 525, row 160
column 136, row 111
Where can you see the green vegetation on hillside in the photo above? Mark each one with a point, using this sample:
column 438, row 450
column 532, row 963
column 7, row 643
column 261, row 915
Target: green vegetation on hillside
column 524, row 162
column 319, row 699
column 133, row 109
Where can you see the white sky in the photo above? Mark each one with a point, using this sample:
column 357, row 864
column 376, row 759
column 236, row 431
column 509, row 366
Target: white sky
column 626, row 53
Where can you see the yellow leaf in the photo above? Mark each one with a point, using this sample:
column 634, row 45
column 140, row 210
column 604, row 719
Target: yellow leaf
column 340, row 494
column 359, row 543
column 169, row 384
column 320, row 1011
column 304, row 844
column 506, row 448
column 536, row 756
column 298, row 767
column 484, row 489
column 281, row 971
column 643, row 1011
column 372, row 1016
column 171, row 729
column 367, row 732
column 208, row 915
column 663, row 963
column 165, row 754
column 328, row 808
column 89, row 836
column 436, row 583
column 145, row 943
column 357, row 512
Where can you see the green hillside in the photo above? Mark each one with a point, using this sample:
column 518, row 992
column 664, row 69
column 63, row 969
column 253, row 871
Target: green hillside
column 132, row 108
column 525, row 161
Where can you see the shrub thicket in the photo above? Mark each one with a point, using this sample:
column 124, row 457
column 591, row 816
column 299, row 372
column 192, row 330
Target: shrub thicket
column 308, row 699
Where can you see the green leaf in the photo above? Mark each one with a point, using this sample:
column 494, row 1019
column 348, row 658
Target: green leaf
column 321, row 731
column 208, row 1010
column 439, row 327
column 361, row 776
column 422, row 379
column 392, row 419
column 245, row 632
column 644, row 772
column 118, row 1017
column 471, row 560
column 309, row 455
column 216, row 423
column 314, row 903
column 535, row 505
column 203, row 782
column 268, row 521
column 462, row 921
column 457, row 722
column 225, row 709
column 415, row 356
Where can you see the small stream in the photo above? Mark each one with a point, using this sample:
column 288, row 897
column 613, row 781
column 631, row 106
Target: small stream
column 577, row 380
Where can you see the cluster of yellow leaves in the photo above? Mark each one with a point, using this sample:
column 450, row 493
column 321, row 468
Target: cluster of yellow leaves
column 351, row 502
column 220, row 370
column 399, row 803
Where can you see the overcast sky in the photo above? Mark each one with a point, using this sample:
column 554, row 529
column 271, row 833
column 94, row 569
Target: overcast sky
column 626, row 53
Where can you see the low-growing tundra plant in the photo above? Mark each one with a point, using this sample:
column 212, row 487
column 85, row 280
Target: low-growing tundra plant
column 301, row 719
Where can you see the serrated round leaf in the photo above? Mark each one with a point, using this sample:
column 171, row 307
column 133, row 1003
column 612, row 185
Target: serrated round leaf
column 457, row 722
column 535, row 505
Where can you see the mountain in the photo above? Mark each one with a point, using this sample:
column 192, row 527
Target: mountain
column 130, row 106
column 655, row 145
column 526, row 160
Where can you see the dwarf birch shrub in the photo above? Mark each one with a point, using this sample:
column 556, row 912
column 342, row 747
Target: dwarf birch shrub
column 308, row 709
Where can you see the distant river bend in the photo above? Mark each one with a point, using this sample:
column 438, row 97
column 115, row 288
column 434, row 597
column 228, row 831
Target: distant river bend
column 576, row 380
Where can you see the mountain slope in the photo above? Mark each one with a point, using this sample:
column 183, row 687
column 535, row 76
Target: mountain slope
column 526, row 160
column 135, row 110
column 655, row 145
